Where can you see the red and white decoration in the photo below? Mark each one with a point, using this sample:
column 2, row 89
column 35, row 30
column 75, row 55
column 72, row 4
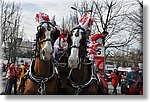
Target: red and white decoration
column 42, row 17
column 99, row 62
column 96, row 51
column 86, row 21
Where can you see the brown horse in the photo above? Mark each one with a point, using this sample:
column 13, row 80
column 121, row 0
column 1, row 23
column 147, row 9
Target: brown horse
column 63, row 70
column 82, row 77
column 61, row 62
column 42, row 77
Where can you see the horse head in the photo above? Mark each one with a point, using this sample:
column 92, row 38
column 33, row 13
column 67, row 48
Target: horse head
column 43, row 37
column 78, row 47
column 78, row 35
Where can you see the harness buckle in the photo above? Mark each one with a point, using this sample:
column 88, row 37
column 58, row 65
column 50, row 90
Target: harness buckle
column 41, row 89
column 78, row 90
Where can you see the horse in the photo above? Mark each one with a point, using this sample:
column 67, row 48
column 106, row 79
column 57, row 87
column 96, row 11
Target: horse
column 42, row 77
column 61, row 64
column 82, row 79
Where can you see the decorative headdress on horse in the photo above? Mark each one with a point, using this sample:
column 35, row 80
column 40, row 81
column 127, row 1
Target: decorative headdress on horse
column 86, row 21
column 42, row 17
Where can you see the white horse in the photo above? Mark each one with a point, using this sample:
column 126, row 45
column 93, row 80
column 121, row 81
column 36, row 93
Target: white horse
column 84, row 24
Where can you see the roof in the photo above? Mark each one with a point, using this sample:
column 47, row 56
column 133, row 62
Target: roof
column 126, row 69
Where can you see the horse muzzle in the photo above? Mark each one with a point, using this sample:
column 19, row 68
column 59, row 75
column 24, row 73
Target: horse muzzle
column 47, row 53
column 73, row 63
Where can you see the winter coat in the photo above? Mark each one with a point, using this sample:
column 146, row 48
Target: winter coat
column 62, row 40
column 12, row 71
column 114, row 80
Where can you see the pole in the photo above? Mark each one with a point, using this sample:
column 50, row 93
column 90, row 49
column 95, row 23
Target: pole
column 104, row 34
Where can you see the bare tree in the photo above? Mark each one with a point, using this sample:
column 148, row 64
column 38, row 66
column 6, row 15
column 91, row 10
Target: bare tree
column 135, row 56
column 136, row 18
column 111, row 16
column 121, row 19
column 70, row 21
column 10, row 28
column 77, row 11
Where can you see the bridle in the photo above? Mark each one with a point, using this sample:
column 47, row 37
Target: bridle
column 38, row 50
column 79, row 47
column 41, row 81
column 77, row 34
column 76, row 86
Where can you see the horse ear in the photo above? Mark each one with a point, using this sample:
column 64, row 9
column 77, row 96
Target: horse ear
column 39, row 29
column 53, row 20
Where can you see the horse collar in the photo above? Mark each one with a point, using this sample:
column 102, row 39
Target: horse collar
column 39, row 80
column 80, row 87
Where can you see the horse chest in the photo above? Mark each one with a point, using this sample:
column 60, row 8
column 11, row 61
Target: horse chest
column 33, row 88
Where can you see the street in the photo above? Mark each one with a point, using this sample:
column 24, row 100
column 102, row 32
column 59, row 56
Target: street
column 3, row 83
column 111, row 89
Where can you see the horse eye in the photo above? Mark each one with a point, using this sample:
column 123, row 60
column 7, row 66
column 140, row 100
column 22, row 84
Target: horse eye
column 44, row 30
column 48, row 28
column 77, row 34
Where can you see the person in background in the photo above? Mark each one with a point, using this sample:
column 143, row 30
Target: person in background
column 60, row 44
column 114, row 81
column 3, row 67
column 119, row 78
column 12, row 79
column 26, row 66
column 132, row 77
column 141, row 80
column 134, row 81
column 21, row 74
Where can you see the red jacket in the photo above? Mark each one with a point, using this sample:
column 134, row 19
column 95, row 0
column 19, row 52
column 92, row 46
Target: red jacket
column 114, row 80
column 96, row 37
column 13, row 71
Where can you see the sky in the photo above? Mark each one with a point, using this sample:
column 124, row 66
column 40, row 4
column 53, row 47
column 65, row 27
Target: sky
column 59, row 8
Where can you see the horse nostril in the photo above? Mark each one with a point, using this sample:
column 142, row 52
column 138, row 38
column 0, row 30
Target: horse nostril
column 70, row 61
column 51, row 53
column 43, row 52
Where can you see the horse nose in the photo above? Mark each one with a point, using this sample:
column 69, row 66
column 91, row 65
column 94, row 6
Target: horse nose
column 51, row 53
column 73, row 62
column 43, row 52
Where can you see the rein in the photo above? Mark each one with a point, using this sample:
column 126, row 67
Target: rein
column 64, row 52
column 41, row 81
column 92, row 79
column 38, row 42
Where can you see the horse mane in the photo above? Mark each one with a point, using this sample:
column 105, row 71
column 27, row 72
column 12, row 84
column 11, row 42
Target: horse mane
column 83, row 45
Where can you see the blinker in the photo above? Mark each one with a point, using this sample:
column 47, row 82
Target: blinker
column 48, row 27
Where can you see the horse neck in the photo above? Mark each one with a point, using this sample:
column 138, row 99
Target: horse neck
column 81, row 75
column 42, row 68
